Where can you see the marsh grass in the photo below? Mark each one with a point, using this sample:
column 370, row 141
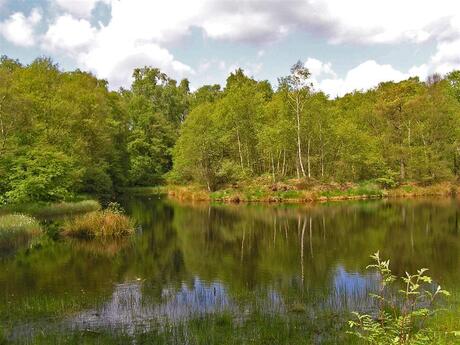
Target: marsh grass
column 99, row 224
column 216, row 329
column 17, row 229
column 143, row 190
column 365, row 189
column 44, row 210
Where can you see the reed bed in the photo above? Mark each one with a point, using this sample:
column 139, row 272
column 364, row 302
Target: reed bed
column 44, row 210
column 99, row 224
column 16, row 229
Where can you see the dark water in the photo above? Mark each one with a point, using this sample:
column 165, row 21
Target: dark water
column 189, row 261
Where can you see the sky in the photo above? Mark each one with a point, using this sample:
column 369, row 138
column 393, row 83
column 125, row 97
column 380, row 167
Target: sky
column 346, row 45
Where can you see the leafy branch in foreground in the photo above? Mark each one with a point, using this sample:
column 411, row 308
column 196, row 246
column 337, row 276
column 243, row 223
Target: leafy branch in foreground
column 402, row 309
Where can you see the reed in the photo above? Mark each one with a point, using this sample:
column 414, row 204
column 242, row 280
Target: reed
column 44, row 210
column 16, row 229
column 99, row 224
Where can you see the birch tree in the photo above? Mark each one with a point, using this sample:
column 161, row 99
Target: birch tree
column 297, row 91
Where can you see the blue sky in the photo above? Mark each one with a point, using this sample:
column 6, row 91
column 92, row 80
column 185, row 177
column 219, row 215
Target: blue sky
column 347, row 45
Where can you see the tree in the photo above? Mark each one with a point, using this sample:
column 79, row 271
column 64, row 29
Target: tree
column 393, row 105
column 297, row 92
column 41, row 174
column 198, row 153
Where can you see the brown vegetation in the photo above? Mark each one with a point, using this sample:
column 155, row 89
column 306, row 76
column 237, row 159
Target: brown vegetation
column 105, row 223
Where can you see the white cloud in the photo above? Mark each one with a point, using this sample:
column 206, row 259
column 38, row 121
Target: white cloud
column 242, row 26
column 105, row 59
column 140, row 30
column 422, row 71
column 68, row 34
column 79, row 8
column 133, row 38
column 447, row 57
column 19, row 29
column 362, row 77
column 318, row 68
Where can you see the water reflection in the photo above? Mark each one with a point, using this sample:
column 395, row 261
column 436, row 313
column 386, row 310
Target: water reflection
column 129, row 310
column 193, row 260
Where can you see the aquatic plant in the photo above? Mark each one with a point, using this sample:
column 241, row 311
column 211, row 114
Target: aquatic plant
column 110, row 222
column 55, row 209
column 401, row 317
column 16, row 229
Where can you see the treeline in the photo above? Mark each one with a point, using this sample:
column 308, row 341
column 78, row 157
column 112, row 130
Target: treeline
column 65, row 133
column 406, row 131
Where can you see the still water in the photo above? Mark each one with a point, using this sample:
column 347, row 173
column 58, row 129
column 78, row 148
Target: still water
column 188, row 261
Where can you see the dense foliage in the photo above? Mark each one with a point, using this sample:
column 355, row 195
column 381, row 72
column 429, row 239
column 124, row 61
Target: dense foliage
column 63, row 133
column 406, row 131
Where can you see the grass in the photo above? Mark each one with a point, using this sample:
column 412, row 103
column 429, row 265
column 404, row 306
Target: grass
column 36, row 308
column 365, row 189
column 414, row 190
column 142, row 190
column 215, row 329
column 43, row 210
column 99, row 224
column 304, row 190
column 17, row 229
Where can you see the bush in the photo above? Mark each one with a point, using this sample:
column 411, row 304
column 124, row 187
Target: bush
column 41, row 174
column 96, row 180
column 107, row 223
column 388, row 179
column 400, row 317
column 230, row 172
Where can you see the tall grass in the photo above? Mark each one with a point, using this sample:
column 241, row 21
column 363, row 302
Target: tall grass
column 56, row 209
column 16, row 229
column 143, row 190
column 106, row 223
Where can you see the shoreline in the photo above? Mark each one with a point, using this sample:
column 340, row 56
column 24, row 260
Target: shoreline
column 301, row 196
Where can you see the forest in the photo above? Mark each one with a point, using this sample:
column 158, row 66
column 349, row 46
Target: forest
column 65, row 133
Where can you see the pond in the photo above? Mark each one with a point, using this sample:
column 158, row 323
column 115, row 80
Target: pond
column 225, row 274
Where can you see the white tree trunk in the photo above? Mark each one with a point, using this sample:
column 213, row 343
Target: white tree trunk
column 299, row 145
column 239, row 147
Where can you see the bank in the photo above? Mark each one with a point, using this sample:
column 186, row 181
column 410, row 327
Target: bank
column 295, row 191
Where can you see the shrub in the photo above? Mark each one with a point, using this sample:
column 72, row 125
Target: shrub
column 386, row 182
column 41, row 174
column 400, row 317
column 230, row 172
column 106, row 223
column 388, row 179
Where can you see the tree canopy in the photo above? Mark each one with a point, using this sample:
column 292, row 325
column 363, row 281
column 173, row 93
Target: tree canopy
column 64, row 133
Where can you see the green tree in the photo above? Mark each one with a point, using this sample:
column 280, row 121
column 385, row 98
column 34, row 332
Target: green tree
column 297, row 91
